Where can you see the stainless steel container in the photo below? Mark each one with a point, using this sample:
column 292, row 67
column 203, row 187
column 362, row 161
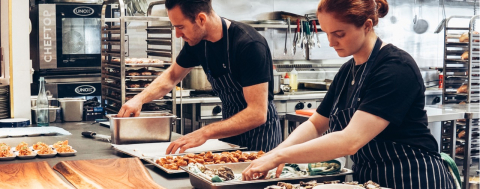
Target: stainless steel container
column 52, row 114
column 148, row 127
column 237, row 168
column 197, row 79
column 72, row 108
column 276, row 84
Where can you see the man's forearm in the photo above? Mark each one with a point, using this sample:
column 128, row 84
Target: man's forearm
column 243, row 121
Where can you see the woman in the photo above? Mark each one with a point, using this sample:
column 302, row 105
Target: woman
column 373, row 110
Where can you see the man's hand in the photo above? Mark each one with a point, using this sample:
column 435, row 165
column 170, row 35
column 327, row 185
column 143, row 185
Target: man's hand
column 133, row 106
column 191, row 140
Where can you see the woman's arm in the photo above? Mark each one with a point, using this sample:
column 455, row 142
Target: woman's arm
column 363, row 127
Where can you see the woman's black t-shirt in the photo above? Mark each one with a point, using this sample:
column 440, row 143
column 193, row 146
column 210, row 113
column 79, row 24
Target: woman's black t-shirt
column 394, row 91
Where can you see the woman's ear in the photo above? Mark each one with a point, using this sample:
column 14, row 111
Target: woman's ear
column 368, row 25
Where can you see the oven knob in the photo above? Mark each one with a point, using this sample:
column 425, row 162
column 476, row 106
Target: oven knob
column 217, row 109
column 299, row 106
column 309, row 105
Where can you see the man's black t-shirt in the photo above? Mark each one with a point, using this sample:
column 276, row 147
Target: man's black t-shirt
column 250, row 57
column 394, row 92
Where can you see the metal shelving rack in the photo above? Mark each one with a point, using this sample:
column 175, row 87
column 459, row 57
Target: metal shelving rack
column 458, row 72
column 115, row 78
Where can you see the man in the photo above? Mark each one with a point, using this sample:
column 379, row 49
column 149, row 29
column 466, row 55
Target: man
column 238, row 64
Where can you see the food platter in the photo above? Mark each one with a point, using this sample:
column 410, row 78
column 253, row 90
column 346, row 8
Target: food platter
column 170, row 171
column 201, row 182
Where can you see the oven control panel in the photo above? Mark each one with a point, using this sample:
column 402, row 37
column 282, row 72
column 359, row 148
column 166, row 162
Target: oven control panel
column 211, row 110
column 301, row 104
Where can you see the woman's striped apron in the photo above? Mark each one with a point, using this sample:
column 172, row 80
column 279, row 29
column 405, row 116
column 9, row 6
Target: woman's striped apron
column 385, row 162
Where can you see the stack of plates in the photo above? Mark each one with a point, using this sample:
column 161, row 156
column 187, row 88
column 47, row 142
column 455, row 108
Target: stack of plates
column 4, row 102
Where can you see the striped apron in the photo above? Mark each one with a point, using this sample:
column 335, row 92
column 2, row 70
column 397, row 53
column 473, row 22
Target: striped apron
column 264, row 137
column 385, row 162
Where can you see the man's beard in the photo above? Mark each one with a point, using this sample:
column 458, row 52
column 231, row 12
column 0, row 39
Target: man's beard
column 198, row 36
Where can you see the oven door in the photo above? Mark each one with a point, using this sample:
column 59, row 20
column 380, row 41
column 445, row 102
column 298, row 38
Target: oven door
column 69, row 36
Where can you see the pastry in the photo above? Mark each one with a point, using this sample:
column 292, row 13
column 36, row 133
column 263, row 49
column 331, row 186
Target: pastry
column 146, row 73
column 459, row 150
column 464, row 38
column 115, row 60
column 465, row 55
column 461, row 134
column 463, row 89
column 134, row 85
column 133, row 74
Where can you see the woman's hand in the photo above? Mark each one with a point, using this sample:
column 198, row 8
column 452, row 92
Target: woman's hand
column 260, row 167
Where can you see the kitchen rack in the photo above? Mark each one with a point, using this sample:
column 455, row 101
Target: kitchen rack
column 116, row 81
column 460, row 72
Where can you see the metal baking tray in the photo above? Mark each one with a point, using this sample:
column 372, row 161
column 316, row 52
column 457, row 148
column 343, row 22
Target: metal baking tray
column 135, row 89
column 165, row 63
column 143, row 77
column 169, row 171
column 152, row 150
column 200, row 182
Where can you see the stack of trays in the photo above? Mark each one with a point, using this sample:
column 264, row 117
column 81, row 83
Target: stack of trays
column 4, row 102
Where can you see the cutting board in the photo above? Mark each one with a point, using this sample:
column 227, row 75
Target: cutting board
column 307, row 112
column 30, row 175
column 107, row 173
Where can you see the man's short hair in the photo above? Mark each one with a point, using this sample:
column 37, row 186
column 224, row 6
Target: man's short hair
column 190, row 8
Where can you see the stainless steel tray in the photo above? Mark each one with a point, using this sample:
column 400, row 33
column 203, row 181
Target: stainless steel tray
column 169, row 171
column 200, row 182
column 135, row 89
column 165, row 63
column 152, row 150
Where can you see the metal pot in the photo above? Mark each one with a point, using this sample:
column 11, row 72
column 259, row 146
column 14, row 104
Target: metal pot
column 276, row 84
column 197, row 79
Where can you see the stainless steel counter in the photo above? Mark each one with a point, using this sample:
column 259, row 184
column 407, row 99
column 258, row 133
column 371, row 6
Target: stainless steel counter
column 92, row 149
column 286, row 96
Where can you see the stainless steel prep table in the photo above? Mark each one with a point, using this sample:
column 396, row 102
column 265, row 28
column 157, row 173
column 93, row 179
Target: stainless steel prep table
column 471, row 111
column 434, row 113
column 88, row 148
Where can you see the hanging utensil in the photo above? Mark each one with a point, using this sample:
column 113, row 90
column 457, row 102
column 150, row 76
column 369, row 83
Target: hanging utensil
column 316, row 34
column 415, row 11
column 310, row 41
column 393, row 18
column 295, row 37
column 286, row 36
column 442, row 23
column 306, row 37
column 307, row 34
column 300, row 42
column 420, row 25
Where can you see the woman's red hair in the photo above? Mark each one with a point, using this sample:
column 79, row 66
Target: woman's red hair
column 355, row 12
